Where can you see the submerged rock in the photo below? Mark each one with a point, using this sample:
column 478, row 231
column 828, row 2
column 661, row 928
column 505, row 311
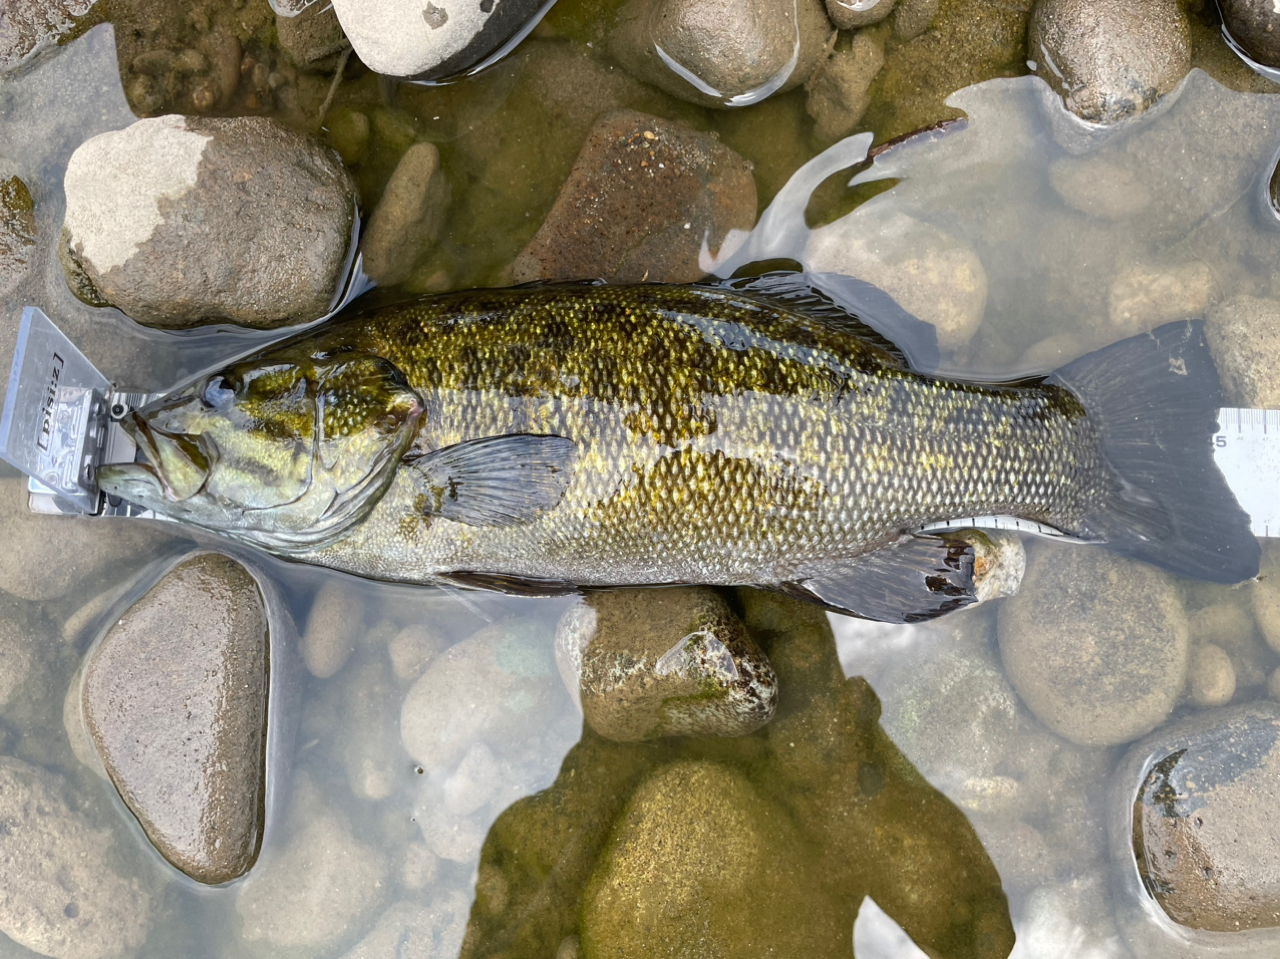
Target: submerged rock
column 1143, row 296
column 664, row 662
column 644, row 196
column 175, row 700
column 417, row 930
column 489, row 687
column 1255, row 26
column 30, row 27
column 335, row 624
column 1109, row 60
column 1244, row 337
column 1211, row 679
column 1203, row 831
column 848, row 14
column 313, row 38
column 408, row 218
column 1095, row 644
column 432, row 41
column 720, row 54
column 16, row 640
column 913, row 17
column 180, row 221
column 65, row 892
column 17, row 233
column 839, row 92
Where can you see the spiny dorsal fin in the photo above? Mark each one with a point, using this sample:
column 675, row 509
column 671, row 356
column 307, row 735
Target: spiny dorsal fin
column 495, row 480
column 851, row 305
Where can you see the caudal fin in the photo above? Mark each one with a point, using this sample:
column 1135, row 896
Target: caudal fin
column 1155, row 399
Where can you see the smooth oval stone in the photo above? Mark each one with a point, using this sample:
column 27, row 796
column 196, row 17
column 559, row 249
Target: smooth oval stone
column 175, row 700
column 665, row 662
column 1204, row 831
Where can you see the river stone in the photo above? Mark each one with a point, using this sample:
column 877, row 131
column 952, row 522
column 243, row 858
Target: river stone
column 665, row 662
column 431, row 41
column 495, row 685
column 1244, row 338
column 1211, row 679
column 1099, row 187
column 180, row 221
column 913, row 17
column 930, row 273
column 700, row 864
column 313, row 38
column 418, row 930
column 17, row 232
column 1109, row 59
column 335, row 625
column 720, row 53
column 30, row 27
column 408, row 218
column 16, row 642
column 1255, row 26
column 839, row 93
column 48, row 556
column 316, row 888
column 1143, row 296
column 62, row 893
column 1204, row 832
column 848, row 14
column 175, row 699
column 1095, row 644
column 644, row 196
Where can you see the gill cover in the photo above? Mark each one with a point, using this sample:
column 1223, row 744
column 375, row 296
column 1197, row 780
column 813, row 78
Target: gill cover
column 285, row 451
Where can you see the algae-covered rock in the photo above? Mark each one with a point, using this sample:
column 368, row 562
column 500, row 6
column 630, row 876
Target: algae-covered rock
column 665, row 662
column 700, row 864
column 17, row 232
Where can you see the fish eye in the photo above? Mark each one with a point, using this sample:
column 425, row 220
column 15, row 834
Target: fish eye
column 218, row 391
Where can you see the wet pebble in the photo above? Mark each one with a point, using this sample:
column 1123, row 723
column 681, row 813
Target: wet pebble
column 495, row 685
column 180, row 221
column 1244, row 337
column 431, row 41
column 930, row 273
column 367, row 742
column 665, row 662
column 66, row 891
column 697, row 850
column 715, row 54
column 175, row 700
column 1206, row 841
column 1255, row 26
column 838, row 94
column 1095, row 644
column 335, row 625
column 313, row 39
column 17, row 232
column 412, row 648
column 1144, row 295
column 408, row 218
column 348, row 132
column 643, row 197
column 1211, row 680
column 314, row 890
column 430, row 929
column 848, row 14
column 1229, row 626
column 1109, row 59
column 49, row 556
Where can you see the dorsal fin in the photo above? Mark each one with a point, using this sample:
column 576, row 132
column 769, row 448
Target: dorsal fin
column 851, row 305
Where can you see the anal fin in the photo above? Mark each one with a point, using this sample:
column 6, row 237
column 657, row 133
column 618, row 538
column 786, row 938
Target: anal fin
column 916, row 579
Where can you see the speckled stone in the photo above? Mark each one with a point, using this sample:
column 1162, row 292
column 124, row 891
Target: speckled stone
column 175, row 700
column 665, row 662
column 1204, row 831
column 643, row 197
column 1255, row 25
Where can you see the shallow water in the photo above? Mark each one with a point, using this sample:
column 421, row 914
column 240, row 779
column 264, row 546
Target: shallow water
column 1000, row 186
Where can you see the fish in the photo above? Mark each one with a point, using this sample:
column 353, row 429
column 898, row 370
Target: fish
column 557, row 437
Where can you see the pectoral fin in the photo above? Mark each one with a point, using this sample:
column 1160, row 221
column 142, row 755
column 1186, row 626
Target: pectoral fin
column 916, row 579
column 496, row 480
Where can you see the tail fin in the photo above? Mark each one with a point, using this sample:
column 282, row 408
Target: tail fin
column 1155, row 400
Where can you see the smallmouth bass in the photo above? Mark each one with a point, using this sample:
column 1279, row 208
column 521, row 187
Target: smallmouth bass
column 754, row 432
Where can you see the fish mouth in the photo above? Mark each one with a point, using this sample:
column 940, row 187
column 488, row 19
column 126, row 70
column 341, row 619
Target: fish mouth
column 170, row 466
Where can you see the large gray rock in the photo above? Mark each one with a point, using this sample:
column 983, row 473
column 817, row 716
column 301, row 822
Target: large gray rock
column 63, row 892
column 643, row 197
column 492, row 686
column 1109, row 59
column 48, row 556
column 406, row 38
column 180, row 221
column 1096, row 645
column 1195, row 799
column 1255, row 26
column 720, row 53
column 408, row 218
column 175, row 700
column 664, row 662
column 17, row 232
